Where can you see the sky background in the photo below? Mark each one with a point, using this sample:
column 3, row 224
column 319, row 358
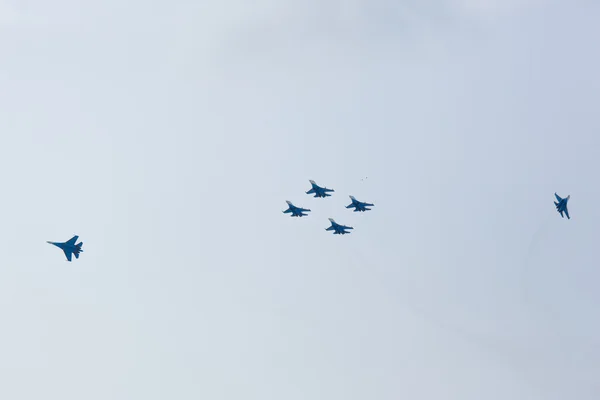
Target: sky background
column 168, row 135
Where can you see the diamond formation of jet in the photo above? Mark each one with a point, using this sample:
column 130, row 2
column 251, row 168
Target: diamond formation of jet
column 323, row 192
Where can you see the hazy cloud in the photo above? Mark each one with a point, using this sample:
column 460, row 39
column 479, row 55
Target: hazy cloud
column 168, row 135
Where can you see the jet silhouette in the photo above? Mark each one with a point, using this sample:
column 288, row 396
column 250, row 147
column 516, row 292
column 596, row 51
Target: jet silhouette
column 561, row 206
column 69, row 247
column 337, row 228
column 359, row 205
column 296, row 211
column 318, row 190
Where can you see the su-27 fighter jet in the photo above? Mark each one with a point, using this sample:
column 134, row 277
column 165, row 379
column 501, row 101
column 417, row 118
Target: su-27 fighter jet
column 561, row 206
column 337, row 228
column 69, row 247
column 359, row 205
column 296, row 211
column 319, row 191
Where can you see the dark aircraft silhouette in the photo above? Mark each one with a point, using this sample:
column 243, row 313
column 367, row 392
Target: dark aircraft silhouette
column 561, row 206
column 319, row 191
column 69, row 247
column 359, row 205
column 337, row 228
column 296, row 211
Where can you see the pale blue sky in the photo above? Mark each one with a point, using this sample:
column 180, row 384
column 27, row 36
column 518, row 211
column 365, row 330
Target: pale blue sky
column 168, row 135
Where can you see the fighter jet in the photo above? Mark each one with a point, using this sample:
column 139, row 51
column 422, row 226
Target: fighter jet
column 359, row 205
column 69, row 247
column 561, row 206
column 319, row 191
column 337, row 228
column 296, row 211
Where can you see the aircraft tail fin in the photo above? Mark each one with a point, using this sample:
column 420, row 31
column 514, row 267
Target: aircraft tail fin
column 78, row 249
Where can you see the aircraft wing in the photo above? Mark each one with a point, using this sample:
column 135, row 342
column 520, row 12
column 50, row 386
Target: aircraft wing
column 567, row 212
column 68, row 253
column 557, row 197
column 73, row 240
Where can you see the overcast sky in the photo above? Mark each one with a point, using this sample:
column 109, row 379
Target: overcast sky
column 168, row 135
